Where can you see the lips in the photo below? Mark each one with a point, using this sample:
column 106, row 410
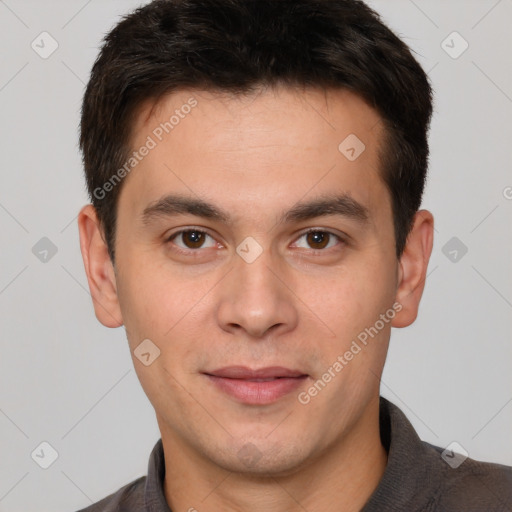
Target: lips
column 256, row 387
column 262, row 374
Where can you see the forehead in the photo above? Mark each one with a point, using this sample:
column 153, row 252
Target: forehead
column 279, row 112
column 266, row 147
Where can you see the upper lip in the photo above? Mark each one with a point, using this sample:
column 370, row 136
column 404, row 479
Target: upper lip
column 242, row 372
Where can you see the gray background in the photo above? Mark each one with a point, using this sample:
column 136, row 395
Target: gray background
column 67, row 380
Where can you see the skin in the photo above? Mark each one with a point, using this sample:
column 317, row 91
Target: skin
column 294, row 306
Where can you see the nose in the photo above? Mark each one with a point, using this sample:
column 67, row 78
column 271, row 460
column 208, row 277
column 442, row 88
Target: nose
column 255, row 298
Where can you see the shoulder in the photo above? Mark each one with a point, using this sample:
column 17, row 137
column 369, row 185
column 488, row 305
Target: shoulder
column 127, row 499
column 472, row 486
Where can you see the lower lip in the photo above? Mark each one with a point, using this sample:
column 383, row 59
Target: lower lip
column 258, row 393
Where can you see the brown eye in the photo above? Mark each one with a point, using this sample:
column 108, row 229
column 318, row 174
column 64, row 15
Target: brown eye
column 318, row 239
column 191, row 239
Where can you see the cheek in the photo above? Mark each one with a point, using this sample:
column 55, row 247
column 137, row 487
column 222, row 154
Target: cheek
column 355, row 298
column 167, row 307
column 144, row 302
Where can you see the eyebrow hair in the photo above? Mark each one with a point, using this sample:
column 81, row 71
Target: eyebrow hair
column 342, row 205
column 171, row 205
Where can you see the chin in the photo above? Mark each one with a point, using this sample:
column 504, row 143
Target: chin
column 261, row 458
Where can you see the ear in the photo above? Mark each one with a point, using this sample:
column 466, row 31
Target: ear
column 412, row 270
column 99, row 269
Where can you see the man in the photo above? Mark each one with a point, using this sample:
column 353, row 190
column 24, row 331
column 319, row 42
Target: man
column 256, row 170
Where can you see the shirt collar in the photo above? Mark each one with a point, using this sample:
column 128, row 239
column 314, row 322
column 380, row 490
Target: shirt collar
column 410, row 473
column 154, row 498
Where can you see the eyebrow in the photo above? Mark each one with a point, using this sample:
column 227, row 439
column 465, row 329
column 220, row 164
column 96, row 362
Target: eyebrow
column 342, row 205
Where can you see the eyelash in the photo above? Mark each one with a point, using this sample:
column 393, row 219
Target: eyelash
column 310, row 230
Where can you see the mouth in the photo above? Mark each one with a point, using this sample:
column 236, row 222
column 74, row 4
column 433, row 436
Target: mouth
column 262, row 374
column 256, row 387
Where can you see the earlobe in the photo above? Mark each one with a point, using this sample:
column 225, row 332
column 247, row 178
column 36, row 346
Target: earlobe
column 99, row 269
column 413, row 268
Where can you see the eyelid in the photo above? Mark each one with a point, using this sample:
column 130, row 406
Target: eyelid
column 323, row 230
column 188, row 228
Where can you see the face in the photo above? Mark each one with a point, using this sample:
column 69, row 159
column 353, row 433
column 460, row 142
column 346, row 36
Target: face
column 251, row 235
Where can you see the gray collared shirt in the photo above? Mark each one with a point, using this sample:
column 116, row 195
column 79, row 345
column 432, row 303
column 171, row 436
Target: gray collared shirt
column 417, row 478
